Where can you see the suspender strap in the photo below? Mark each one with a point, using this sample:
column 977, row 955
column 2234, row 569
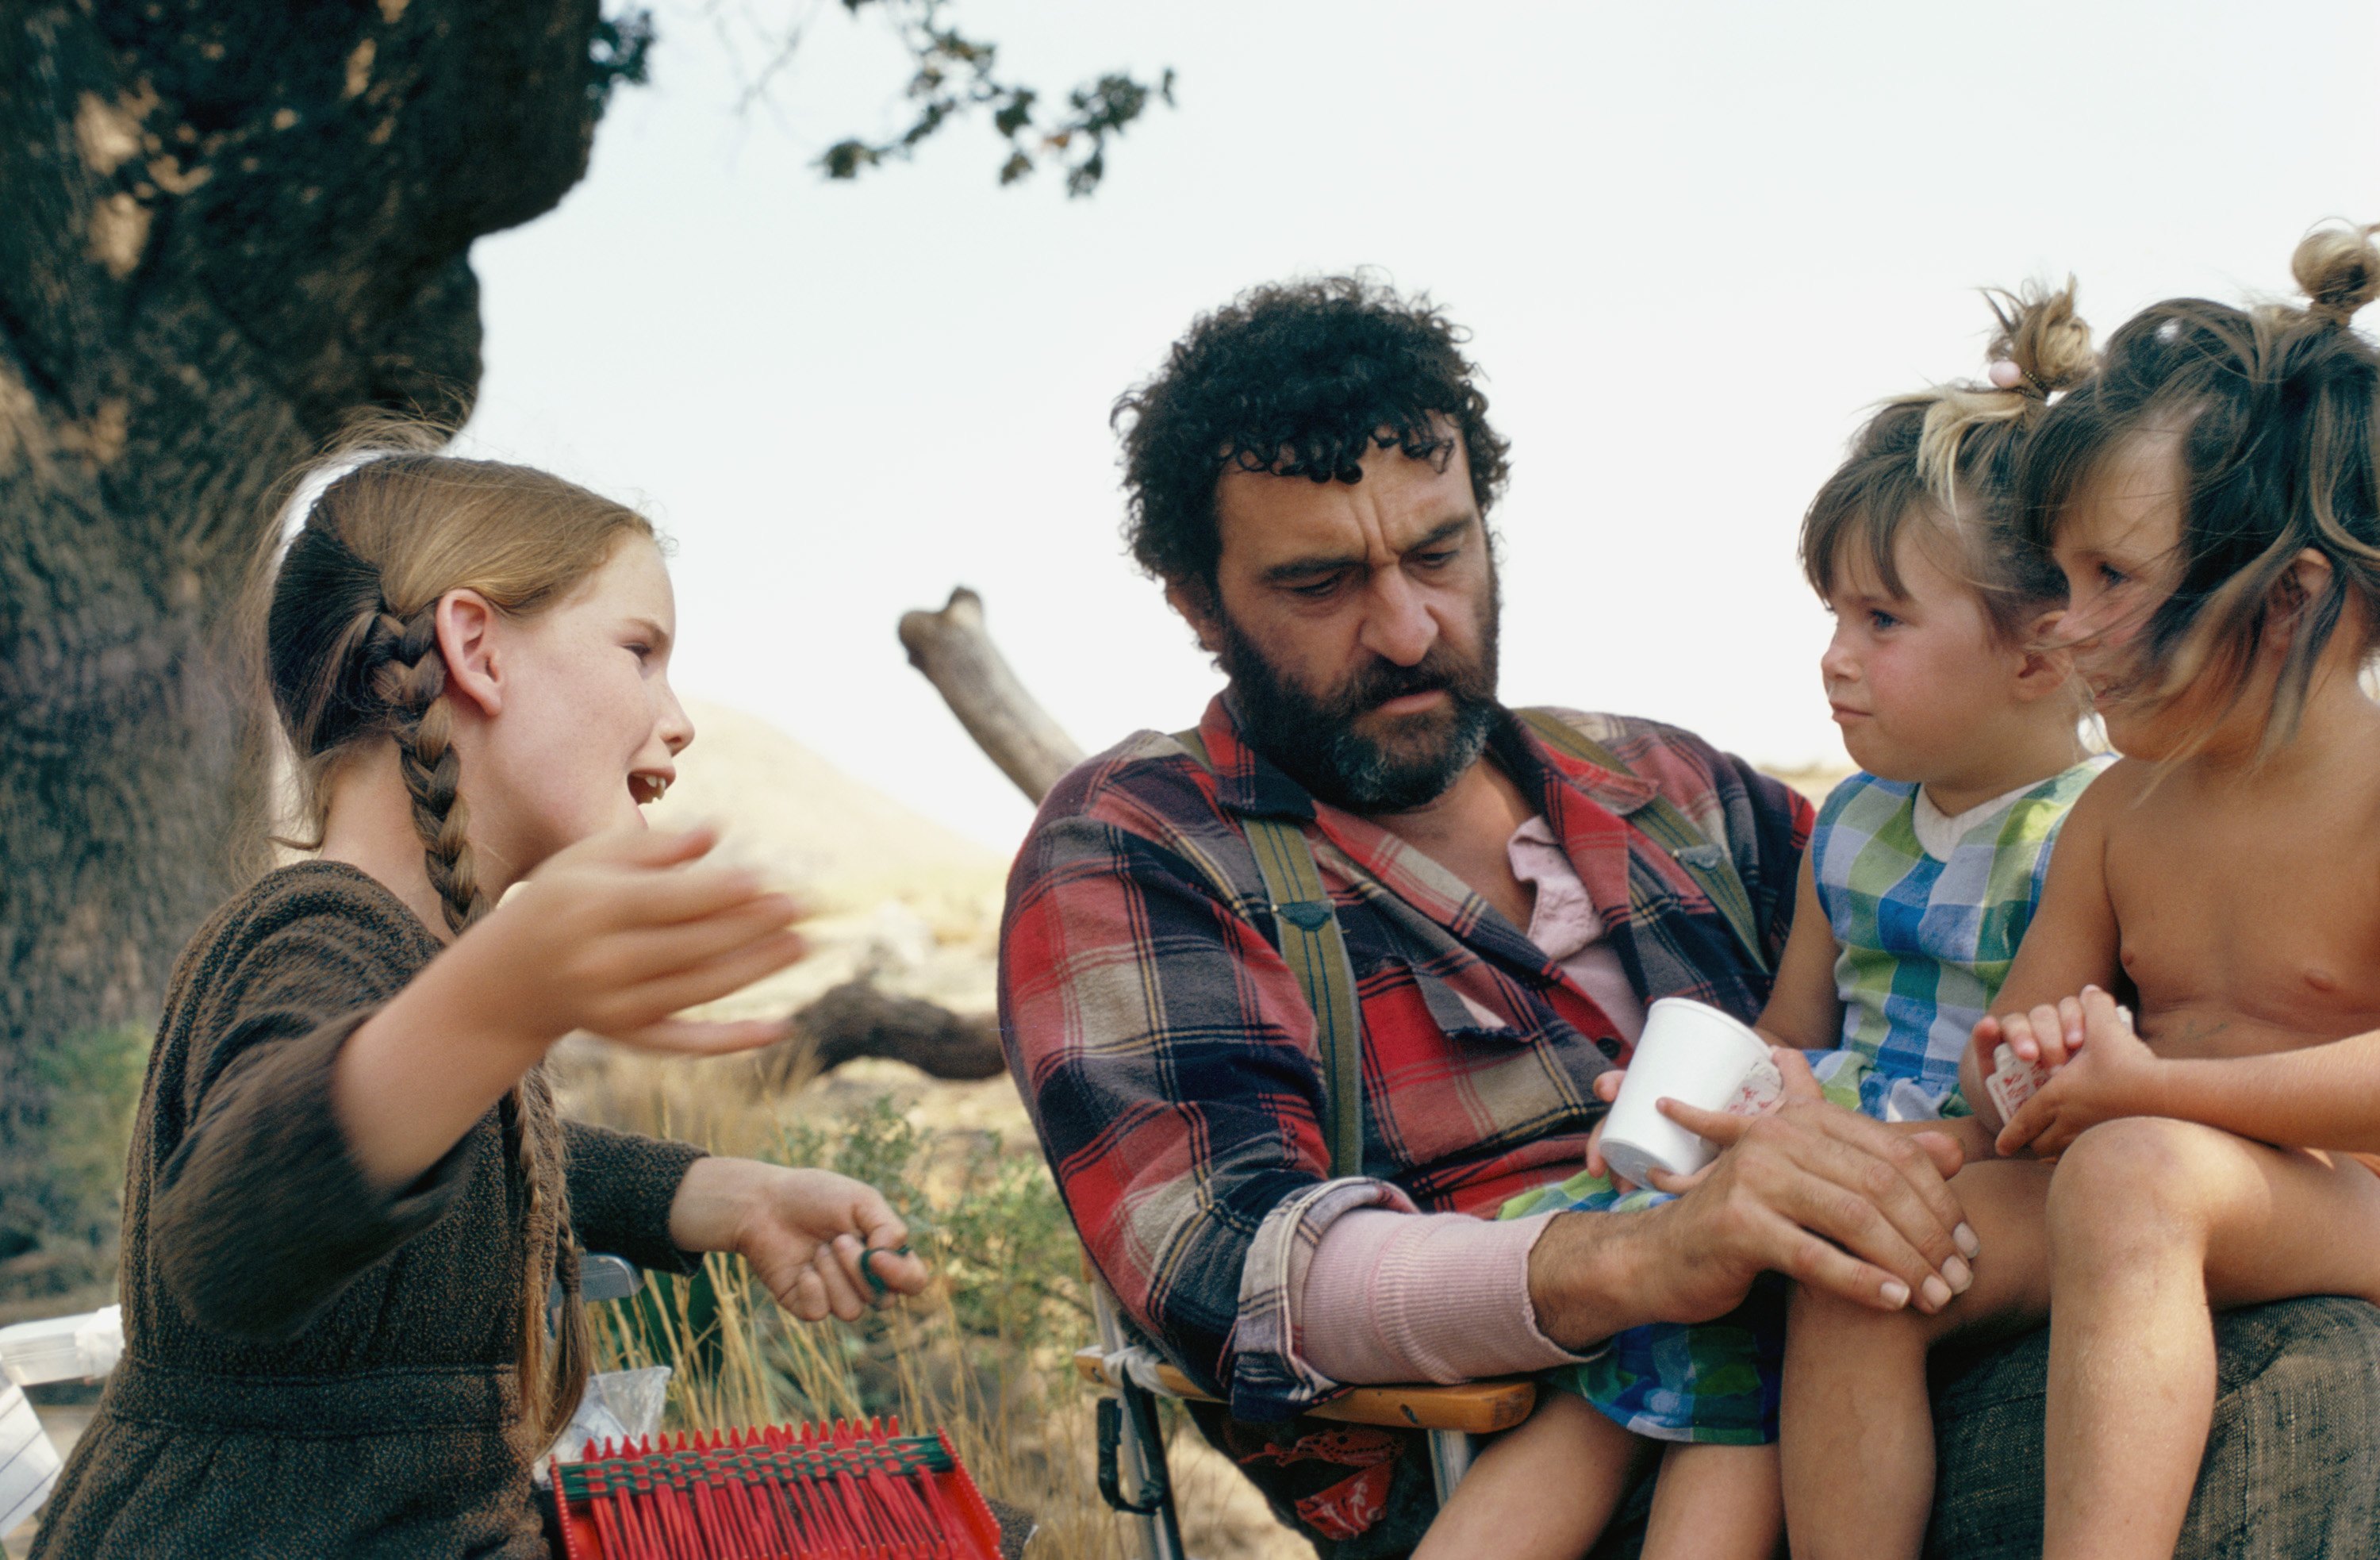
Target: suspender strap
column 1317, row 955
column 1708, row 864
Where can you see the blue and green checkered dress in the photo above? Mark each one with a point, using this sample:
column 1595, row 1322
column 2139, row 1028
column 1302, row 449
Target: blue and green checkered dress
column 1926, row 944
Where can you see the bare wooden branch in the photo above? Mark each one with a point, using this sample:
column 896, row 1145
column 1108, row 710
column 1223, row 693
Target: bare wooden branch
column 854, row 1019
column 955, row 653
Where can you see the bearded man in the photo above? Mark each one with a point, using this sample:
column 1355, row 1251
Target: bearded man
column 1310, row 477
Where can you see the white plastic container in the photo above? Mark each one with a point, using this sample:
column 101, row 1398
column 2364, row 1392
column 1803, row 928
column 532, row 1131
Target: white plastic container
column 1691, row 1053
column 61, row 1348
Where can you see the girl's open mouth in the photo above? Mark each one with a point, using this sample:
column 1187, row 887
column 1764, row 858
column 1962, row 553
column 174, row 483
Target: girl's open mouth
column 649, row 787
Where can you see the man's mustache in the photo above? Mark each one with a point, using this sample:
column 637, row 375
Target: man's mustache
column 1384, row 680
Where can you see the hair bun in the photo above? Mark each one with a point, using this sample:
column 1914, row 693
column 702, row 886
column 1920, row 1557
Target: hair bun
column 2339, row 270
column 2049, row 343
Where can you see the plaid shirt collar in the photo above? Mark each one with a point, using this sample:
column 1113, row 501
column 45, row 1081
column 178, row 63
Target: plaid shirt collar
column 1582, row 802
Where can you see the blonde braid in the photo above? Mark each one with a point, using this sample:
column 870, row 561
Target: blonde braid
column 411, row 682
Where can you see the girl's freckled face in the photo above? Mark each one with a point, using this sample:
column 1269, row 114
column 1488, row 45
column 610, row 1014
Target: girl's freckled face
column 590, row 725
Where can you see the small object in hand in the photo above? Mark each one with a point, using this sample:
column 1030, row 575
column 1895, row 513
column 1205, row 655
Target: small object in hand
column 868, row 1267
column 1691, row 1053
column 2013, row 1080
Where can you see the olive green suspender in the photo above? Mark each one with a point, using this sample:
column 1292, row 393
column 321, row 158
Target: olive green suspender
column 1706, row 863
column 1317, row 954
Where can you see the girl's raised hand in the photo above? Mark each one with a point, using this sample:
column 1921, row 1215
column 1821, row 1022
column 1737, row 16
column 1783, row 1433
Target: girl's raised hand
column 623, row 930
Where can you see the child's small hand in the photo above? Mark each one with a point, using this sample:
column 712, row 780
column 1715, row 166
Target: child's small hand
column 621, row 932
column 2111, row 1075
column 824, row 1244
column 1606, row 1089
column 2047, row 1034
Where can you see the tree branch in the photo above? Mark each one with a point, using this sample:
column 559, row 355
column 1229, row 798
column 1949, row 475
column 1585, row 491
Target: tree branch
column 955, row 653
column 854, row 1019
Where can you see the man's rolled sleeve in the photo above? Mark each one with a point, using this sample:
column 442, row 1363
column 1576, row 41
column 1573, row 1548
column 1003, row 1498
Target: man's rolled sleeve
column 1166, row 1055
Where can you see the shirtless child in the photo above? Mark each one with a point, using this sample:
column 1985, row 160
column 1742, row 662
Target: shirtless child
column 2214, row 500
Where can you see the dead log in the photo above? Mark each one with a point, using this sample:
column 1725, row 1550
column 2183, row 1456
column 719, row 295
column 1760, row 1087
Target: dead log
column 854, row 1019
column 955, row 653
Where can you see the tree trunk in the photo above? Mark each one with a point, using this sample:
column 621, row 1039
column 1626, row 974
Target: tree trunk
column 224, row 226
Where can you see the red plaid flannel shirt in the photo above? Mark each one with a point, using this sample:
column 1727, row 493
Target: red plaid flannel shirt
column 1170, row 1063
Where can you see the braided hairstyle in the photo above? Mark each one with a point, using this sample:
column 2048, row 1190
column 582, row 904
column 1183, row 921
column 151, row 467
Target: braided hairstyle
column 351, row 646
column 1948, row 459
column 2275, row 415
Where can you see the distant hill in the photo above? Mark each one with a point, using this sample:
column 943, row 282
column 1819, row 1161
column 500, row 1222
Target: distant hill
column 844, row 843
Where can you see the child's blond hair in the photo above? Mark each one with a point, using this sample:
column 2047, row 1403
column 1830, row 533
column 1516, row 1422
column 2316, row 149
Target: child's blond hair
column 1947, row 460
column 2277, row 414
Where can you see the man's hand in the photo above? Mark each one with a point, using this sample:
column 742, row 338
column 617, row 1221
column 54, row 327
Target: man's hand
column 2113, row 1073
column 1819, row 1193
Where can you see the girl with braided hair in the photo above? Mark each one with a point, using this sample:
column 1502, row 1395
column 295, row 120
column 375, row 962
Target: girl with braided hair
column 350, row 1193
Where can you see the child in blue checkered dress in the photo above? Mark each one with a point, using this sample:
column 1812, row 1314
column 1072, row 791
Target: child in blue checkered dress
column 2206, row 1141
column 1919, row 881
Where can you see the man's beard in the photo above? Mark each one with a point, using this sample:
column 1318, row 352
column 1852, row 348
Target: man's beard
column 1314, row 742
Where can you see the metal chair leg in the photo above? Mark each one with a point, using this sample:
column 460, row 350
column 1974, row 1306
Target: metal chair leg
column 1139, row 1451
column 1450, row 1459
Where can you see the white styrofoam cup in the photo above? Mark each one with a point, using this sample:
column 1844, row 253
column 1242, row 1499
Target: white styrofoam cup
column 1691, row 1053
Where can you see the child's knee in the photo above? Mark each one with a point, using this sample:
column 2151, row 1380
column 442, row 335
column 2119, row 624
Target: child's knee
column 2128, row 1183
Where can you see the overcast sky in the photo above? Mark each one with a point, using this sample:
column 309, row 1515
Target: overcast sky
column 1693, row 241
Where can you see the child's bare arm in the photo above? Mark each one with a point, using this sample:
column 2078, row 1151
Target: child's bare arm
column 2072, row 943
column 1803, row 1010
column 2323, row 1096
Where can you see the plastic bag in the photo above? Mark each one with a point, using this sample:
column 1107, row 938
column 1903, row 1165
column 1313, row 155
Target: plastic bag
column 619, row 1404
column 61, row 1348
column 29, row 1464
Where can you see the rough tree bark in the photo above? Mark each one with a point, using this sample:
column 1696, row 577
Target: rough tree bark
column 225, row 225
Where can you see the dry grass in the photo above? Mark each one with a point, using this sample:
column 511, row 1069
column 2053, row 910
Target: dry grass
column 983, row 1356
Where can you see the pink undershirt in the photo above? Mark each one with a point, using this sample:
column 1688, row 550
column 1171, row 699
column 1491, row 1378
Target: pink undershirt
column 1395, row 1296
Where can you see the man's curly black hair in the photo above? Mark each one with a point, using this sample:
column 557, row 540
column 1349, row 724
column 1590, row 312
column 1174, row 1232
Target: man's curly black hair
column 1300, row 379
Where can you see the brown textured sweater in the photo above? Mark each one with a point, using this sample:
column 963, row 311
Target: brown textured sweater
column 313, row 1367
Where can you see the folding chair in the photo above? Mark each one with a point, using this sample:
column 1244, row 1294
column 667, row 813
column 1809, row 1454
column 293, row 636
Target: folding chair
column 1131, row 1471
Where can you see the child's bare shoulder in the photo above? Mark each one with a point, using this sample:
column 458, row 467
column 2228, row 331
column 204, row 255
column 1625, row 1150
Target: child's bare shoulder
column 2111, row 801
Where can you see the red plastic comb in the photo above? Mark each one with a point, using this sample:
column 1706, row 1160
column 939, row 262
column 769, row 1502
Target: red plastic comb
column 839, row 1492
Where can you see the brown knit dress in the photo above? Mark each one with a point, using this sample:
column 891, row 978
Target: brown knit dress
column 312, row 1366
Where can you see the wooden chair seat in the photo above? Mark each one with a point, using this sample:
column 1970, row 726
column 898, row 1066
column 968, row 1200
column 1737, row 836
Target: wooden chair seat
column 1475, row 1408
